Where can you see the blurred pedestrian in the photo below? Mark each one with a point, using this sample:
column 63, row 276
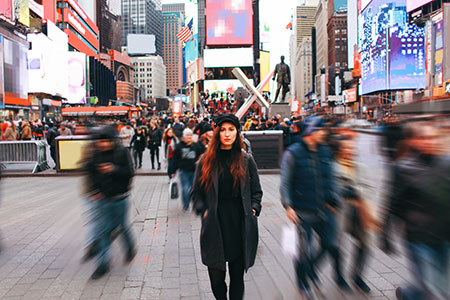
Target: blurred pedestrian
column 170, row 141
column 307, row 193
column 64, row 130
column 52, row 134
column 110, row 173
column 138, row 143
column 420, row 199
column 227, row 195
column 358, row 219
column 178, row 127
column 154, row 142
column 10, row 132
column 126, row 134
column 26, row 131
column 185, row 157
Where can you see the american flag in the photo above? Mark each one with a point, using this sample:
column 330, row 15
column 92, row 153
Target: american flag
column 186, row 34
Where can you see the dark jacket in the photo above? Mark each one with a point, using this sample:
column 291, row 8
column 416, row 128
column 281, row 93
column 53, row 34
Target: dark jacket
column 178, row 129
column 307, row 179
column 210, row 235
column 420, row 197
column 154, row 137
column 116, row 184
column 138, row 142
column 52, row 134
column 185, row 156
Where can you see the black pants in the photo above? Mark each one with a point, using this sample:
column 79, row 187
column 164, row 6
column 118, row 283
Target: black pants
column 218, row 285
column 154, row 151
column 137, row 157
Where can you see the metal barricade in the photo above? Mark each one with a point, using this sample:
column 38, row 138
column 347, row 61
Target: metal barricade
column 24, row 152
column 266, row 147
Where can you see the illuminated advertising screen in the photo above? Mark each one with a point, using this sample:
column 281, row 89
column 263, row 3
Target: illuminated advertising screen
column 229, row 22
column 2, row 90
column 413, row 4
column 15, row 72
column 392, row 51
column 77, row 78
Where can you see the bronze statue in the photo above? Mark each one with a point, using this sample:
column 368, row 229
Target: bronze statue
column 283, row 80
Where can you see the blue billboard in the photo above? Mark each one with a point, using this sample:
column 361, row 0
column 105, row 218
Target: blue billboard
column 392, row 51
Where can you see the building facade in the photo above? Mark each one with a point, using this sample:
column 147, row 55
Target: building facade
column 110, row 26
column 143, row 17
column 150, row 74
column 82, row 31
column 304, row 58
column 173, row 50
column 337, row 35
column 304, row 21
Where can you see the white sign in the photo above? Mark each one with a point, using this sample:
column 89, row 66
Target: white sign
column 228, row 57
column 141, row 43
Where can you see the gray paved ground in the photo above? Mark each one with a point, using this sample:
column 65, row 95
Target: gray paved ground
column 41, row 225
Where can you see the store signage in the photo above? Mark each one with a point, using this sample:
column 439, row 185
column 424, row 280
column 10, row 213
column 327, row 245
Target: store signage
column 447, row 87
column 336, row 98
column 34, row 107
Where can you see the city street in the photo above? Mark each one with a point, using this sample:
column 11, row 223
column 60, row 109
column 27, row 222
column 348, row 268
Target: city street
column 42, row 232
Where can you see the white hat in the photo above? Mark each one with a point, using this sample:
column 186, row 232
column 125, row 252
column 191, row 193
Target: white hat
column 186, row 132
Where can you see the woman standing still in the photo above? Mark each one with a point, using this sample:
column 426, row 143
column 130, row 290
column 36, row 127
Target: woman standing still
column 227, row 195
column 154, row 142
column 170, row 141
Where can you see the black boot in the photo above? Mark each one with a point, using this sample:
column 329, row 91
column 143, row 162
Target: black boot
column 100, row 271
column 159, row 166
column 361, row 284
column 131, row 253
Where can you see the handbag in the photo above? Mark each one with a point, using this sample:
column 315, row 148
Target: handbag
column 173, row 188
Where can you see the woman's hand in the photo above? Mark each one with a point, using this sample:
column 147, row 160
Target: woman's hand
column 254, row 212
column 205, row 214
column 292, row 215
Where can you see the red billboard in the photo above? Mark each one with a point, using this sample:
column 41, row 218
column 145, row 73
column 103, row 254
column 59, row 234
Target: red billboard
column 6, row 9
column 229, row 22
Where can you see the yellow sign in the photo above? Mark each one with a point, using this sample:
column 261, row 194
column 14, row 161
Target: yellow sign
column 70, row 153
column 264, row 67
column 23, row 11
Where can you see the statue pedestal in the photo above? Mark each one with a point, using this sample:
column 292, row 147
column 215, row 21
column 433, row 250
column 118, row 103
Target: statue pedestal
column 284, row 109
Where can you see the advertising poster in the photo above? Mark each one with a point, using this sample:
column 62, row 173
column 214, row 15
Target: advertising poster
column 439, row 52
column 22, row 11
column 225, row 85
column 177, row 107
column 229, row 22
column 77, row 78
column 2, row 89
column 6, row 8
column 264, row 63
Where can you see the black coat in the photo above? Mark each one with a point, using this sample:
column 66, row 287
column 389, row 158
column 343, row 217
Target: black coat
column 154, row 137
column 138, row 142
column 211, row 244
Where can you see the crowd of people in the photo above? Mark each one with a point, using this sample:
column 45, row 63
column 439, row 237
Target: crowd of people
column 321, row 190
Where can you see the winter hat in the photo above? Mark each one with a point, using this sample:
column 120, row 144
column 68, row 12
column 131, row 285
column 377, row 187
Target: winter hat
column 186, row 132
column 219, row 120
column 311, row 124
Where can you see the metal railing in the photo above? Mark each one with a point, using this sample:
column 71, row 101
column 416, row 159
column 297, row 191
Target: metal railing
column 24, row 152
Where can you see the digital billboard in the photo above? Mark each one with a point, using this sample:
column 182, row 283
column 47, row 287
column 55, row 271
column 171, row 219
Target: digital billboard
column 392, row 51
column 77, row 78
column 2, row 90
column 229, row 22
column 15, row 70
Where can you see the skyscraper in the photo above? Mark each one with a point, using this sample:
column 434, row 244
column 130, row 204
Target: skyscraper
column 143, row 17
column 109, row 24
column 173, row 16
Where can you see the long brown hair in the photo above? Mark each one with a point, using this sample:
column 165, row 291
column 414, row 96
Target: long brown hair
column 210, row 163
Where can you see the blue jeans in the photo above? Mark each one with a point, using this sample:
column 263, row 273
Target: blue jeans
column 305, row 264
column 93, row 214
column 170, row 170
column 430, row 270
column 186, row 180
column 114, row 215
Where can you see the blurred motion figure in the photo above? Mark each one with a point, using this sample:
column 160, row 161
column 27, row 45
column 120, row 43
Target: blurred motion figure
column 420, row 199
column 110, row 172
